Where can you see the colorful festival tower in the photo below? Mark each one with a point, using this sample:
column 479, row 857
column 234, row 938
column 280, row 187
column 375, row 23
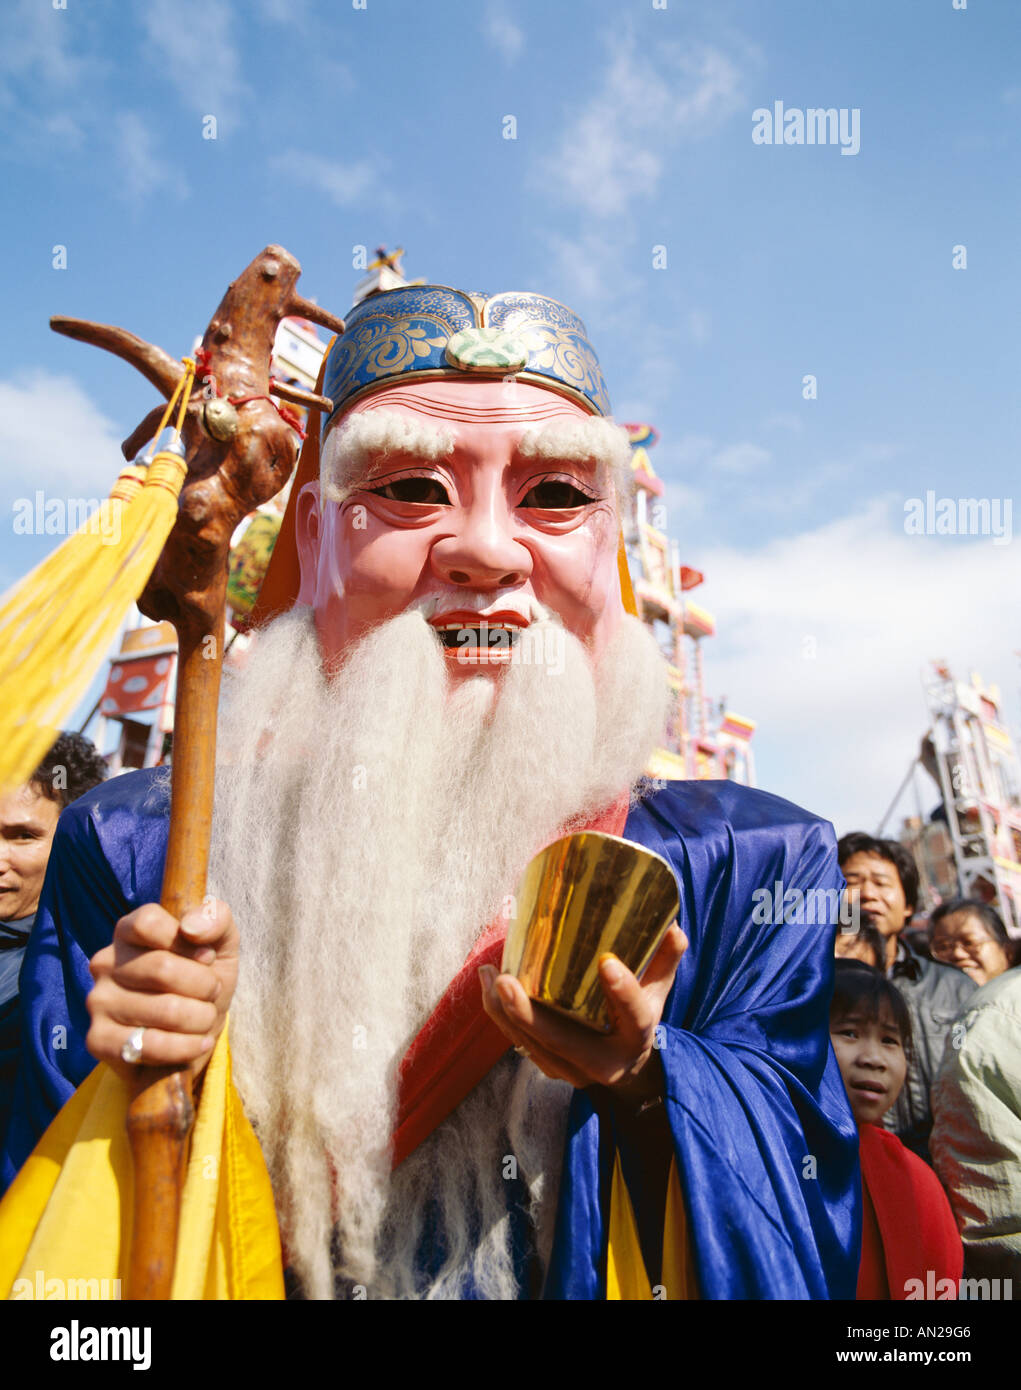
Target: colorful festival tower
column 702, row 742
column 976, row 765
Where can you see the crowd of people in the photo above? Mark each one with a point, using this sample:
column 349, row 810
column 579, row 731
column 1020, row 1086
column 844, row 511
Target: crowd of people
column 924, row 1024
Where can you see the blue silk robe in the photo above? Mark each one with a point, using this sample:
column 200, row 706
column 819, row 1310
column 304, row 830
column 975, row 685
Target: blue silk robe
column 764, row 1140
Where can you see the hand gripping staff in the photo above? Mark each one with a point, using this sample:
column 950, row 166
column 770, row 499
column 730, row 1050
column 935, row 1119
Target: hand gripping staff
column 232, row 450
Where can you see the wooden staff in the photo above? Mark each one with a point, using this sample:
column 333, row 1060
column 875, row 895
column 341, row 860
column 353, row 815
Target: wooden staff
column 240, row 453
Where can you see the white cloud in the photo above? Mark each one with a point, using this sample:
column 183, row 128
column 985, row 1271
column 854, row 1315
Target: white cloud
column 53, row 439
column 195, row 45
column 503, row 34
column 63, row 129
column 784, row 420
column 699, row 325
column 38, row 45
column 823, row 637
column 740, row 458
column 692, row 449
column 683, row 504
column 141, row 171
column 806, row 483
column 343, row 184
column 594, row 268
column 49, row 82
column 612, row 152
column 701, row 454
column 292, row 14
column 608, row 162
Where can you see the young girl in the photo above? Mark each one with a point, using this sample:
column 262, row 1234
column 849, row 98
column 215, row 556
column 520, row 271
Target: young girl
column 908, row 1229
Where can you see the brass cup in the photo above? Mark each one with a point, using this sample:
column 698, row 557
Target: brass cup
column 580, row 897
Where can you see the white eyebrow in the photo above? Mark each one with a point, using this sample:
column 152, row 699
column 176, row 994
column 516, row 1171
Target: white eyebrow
column 579, row 441
column 357, row 440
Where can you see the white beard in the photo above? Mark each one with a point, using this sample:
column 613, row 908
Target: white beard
column 366, row 830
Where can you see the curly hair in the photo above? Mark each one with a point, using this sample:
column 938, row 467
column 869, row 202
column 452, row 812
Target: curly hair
column 70, row 769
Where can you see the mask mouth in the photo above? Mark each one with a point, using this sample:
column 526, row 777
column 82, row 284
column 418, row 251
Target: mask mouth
column 477, row 638
column 477, row 644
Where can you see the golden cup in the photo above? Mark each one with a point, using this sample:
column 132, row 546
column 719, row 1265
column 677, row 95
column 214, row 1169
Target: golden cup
column 580, row 897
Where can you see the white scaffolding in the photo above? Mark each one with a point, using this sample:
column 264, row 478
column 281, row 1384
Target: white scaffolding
column 980, row 779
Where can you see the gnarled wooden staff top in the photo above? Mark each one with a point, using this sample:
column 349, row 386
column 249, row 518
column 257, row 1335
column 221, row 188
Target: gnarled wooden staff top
column 238, row 457
column 240, row 453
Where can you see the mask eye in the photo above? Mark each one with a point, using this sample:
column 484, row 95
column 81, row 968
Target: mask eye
column 421, row 490
column 555, row 495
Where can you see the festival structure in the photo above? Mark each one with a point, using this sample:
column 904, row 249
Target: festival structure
column 973, row 846
column 704, row 740
column 699, row 744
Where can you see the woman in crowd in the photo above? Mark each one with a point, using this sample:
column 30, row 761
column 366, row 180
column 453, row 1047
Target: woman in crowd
column 970, row 934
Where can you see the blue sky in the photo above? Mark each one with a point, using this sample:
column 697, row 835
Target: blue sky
column 339, row 126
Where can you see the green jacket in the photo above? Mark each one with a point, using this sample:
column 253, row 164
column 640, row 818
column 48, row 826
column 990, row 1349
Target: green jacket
column 976, row 1136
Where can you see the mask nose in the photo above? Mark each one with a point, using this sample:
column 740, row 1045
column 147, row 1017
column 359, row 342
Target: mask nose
column 483, row 553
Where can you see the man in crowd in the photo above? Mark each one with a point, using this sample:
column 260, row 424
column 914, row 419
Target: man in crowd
column 882, row 875
column 28, row 818
column 458, row 685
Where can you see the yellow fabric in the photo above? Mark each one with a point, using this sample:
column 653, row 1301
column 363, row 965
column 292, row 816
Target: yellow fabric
column 67, row 1216
column 678, row 1274
column 57, row 623
column 627, row 592
column 626, row 1276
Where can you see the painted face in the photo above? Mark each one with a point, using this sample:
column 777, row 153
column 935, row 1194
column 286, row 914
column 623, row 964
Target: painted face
column 961, row 939
column 876, row 883
column 477, row 530
column 27, row 822
column 872, row 1062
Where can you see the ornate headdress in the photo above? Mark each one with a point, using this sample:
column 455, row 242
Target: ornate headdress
column 430, row 331
column 427, row 332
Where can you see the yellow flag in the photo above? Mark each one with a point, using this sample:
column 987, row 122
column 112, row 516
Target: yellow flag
column 65, row 1223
